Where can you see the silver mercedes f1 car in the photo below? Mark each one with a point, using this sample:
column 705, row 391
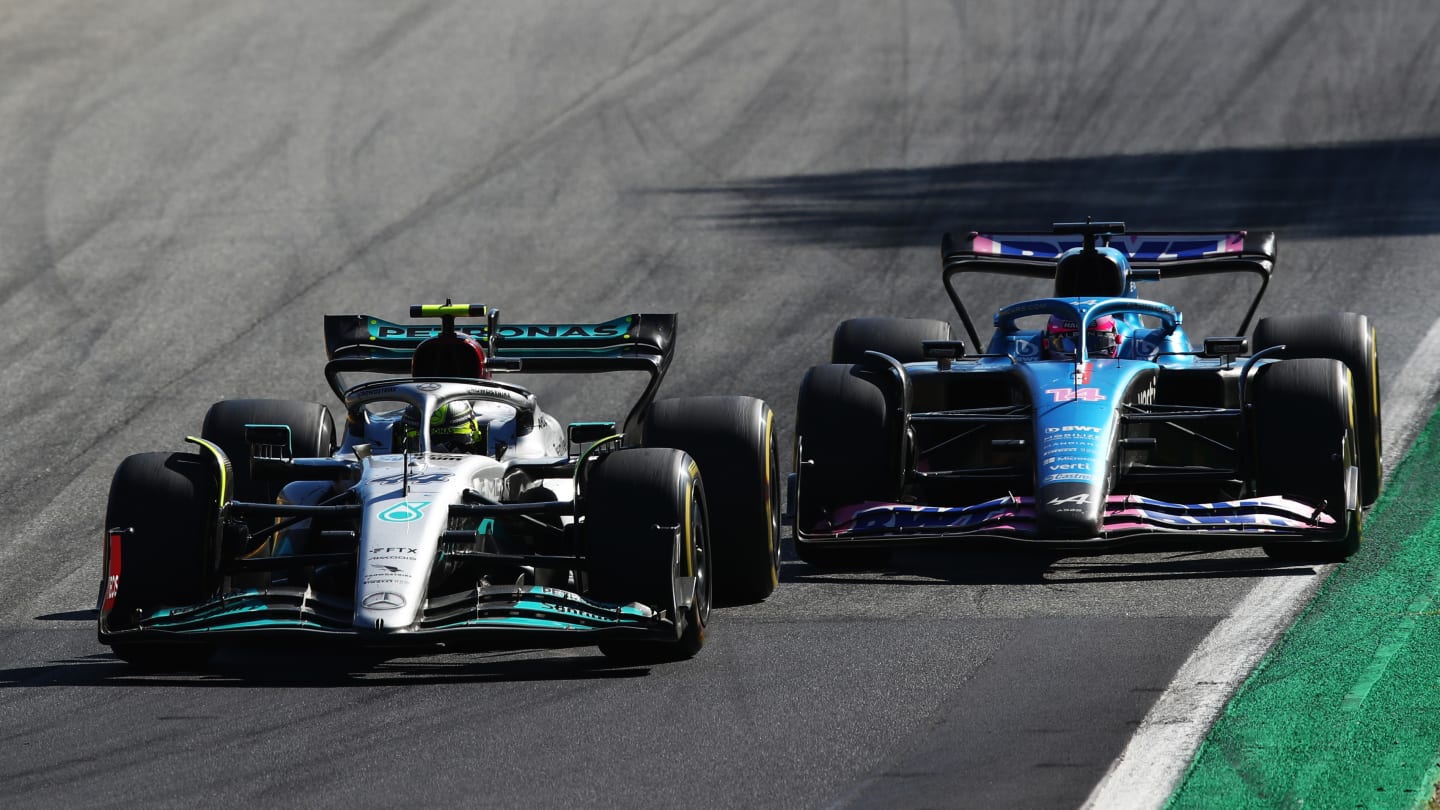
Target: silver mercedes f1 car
column 449, row 511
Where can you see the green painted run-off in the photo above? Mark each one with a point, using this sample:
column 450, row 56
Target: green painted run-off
column 1344, row 712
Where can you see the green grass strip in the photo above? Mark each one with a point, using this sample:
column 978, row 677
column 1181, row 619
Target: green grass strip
column 1344, row 712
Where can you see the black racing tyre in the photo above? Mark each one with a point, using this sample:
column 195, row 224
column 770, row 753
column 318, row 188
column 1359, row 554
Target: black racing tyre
column 631, row 498
column 1304, row 431
column 898, row 337
column 169, row 556
column 732, row 438
column 1349, row 338
column 312, row 435
column 846, row 452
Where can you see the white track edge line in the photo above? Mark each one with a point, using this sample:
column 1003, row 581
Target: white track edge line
column 1159, row 753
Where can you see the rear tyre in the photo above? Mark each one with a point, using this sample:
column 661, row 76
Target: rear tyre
column 312, row 435
column 169, row 558
column 846, row 453
column 1304, row 431
column 733, row 440
column 900, row 338
column 1349, row 338
column 632, row 499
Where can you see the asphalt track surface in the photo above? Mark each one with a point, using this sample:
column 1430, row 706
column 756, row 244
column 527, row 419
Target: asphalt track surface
column 185, row 188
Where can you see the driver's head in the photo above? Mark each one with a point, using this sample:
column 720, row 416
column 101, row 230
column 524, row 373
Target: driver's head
column 453, row 428
column 1102, row 339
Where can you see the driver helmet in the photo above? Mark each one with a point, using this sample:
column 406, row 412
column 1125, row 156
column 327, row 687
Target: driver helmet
column 453, row 428
column 1102, row 339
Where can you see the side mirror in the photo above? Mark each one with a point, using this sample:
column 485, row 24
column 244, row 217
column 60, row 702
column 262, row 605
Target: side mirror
column 269, row 441
column 590, row 432
column 1225, row 347
column 943, row 352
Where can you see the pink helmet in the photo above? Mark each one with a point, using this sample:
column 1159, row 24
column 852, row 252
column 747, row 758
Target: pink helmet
column 1101, row 340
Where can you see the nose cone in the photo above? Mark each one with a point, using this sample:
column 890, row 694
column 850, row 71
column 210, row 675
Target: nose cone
column 1070, row 509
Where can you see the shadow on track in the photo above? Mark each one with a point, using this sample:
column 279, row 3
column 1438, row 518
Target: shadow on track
column 69, row 616
column 911, row 567
column 269, row 669
column 1376, row 188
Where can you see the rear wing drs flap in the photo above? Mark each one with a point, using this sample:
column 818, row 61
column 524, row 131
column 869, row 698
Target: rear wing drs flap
column 640, row 342
column 1155, row 255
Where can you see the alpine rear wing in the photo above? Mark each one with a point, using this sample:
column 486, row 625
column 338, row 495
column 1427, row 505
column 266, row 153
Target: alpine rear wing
column 640, row 342
column 1152, row 255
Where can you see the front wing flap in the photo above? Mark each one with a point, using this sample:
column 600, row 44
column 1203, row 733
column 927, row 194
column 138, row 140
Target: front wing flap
column 1125, row 519
column 497, row 616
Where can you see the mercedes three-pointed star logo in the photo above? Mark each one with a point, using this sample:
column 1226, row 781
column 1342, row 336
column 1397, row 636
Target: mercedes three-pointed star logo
column 384, row 600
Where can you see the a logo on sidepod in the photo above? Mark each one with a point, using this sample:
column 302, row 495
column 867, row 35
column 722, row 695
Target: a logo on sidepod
column 384, row 600
column 404, row 512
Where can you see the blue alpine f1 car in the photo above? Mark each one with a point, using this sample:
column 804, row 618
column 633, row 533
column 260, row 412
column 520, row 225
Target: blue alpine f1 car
column 450, row 511
column 1089, row 420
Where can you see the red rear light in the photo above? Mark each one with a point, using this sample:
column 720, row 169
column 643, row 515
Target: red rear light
column 111, row 586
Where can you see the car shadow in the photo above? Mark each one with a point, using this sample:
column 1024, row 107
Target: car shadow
column 69, row 616
column 253, row 668
column 929, row 566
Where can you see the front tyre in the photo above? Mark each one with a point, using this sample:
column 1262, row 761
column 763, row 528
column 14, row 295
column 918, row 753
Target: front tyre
column 165, row 504
column 732, row 438
column 646, row 537
column 1304, row 430
column 846, row 453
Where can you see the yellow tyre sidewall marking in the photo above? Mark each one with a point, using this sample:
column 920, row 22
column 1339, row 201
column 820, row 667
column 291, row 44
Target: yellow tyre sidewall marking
column 1375, row 390
column 772, row 537
column 689, row 501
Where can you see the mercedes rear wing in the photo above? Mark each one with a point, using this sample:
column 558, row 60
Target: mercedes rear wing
column 640, row 342
column 1152, row 255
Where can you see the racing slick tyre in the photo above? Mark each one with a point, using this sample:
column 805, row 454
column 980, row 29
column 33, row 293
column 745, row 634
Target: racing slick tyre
column 900, row 338
column 645, row 533
column 168, row 556
column 1304, row 431
column 845, row 453
column 1349, row 338
column 312, row 435
column 733, row 440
